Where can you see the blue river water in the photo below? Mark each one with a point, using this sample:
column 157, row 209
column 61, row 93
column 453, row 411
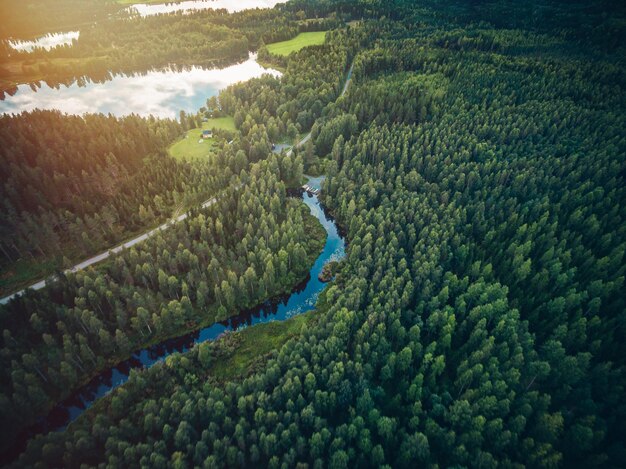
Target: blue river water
column 300, row 300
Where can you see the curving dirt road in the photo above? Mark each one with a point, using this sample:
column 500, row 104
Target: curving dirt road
column 307, row 137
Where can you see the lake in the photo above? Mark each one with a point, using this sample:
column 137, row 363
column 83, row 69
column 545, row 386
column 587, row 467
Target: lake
column 159, row 93
column 47, row 42
column 154, row 9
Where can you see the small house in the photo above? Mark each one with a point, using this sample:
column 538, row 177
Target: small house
column 207, row 134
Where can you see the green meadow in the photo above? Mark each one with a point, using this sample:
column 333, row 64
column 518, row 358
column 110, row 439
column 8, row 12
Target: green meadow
column 297, row 43
column 192, row 146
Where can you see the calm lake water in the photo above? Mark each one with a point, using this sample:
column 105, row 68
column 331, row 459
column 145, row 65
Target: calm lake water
column 47, row 42
column 300, row 300
column 231, row 5
column 160, row 93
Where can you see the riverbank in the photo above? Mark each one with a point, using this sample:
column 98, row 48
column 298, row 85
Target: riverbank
column 230, row 358
column 304, row 297
column 234, row 356
column 92, row 383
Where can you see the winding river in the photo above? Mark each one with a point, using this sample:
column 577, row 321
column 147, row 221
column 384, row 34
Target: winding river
column 300, row 300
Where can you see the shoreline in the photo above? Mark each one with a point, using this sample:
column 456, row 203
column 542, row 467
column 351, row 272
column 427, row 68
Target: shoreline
column 178, row 341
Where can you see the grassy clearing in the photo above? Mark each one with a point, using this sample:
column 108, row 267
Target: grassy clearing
column 257, row 342
column 192, row 146
column 220, row 123
column 297, row 43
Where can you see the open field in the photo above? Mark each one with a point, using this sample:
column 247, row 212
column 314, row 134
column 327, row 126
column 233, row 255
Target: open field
column 220, row 123
column 192, row 146
column 297, row 43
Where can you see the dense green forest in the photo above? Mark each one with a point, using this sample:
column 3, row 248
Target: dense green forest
column 205, row 269
column 72, row 186
column 121, row 306
column 87, row 193
column 477, row 163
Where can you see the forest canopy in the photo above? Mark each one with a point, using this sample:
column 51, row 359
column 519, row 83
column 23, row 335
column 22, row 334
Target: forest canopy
column 476, row 162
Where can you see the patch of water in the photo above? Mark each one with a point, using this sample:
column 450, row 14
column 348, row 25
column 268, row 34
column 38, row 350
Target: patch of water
column 159, row 93
column 147, row 9
column 49, row 41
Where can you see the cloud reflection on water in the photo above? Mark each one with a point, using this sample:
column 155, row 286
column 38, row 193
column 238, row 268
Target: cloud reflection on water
column 232, row 6
column 160, row 93
column 47, row 42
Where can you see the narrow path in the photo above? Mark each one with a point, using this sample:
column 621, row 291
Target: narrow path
column 307, row 137
column 102, row 256
column 348, row 80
